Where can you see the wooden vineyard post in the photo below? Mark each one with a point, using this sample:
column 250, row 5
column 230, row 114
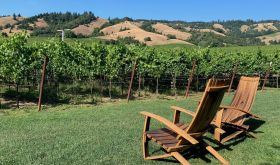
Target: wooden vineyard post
column 17, row 89
column 101, row 87
column 232, row 78
column 174, row 85
column 190, row 79
column 139, row 85
column 131, row 81
column 110, row 88
column 277, row 81
column 266, row 75
column 42, row 83
column 157, row 86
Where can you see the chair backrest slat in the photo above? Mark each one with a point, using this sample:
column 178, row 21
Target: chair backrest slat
column 208, row 106
column 243, row 99
column 246, row 93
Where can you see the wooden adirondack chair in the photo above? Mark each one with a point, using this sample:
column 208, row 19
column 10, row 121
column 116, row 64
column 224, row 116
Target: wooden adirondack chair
column 235, row 115
column 178, row 137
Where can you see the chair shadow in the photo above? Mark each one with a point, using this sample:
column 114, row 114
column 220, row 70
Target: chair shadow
column 195, row 153
column 254, row 125
column 164, row 159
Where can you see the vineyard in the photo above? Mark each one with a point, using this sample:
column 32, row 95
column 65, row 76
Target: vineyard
column 139, row 82
column 78, row 69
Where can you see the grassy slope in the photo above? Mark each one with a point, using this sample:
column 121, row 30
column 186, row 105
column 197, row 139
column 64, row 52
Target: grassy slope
column 273, row 34
column 111, row 134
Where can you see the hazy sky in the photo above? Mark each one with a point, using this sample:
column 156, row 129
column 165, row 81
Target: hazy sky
column 187, row 10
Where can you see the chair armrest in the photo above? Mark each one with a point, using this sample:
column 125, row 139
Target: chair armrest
column 172, row 126
column 191, row 113
column 241, row 110
column 178, row 110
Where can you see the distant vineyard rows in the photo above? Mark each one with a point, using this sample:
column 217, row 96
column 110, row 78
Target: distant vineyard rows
column 21, row 62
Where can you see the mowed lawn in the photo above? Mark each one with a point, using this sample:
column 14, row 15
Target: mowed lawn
column 112, row 134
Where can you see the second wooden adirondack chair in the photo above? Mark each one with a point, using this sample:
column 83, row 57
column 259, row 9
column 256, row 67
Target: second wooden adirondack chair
column 235, row 115
column 178, row 137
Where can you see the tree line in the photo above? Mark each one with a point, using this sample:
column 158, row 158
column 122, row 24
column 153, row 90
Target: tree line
column 56, row 21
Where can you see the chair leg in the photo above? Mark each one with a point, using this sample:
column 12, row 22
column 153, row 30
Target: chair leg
column 146, row 154
column 180, row 158
column 158, row 157
column 217, row 135
column 218, row 123
column 216, row 154
column 231, row 136
column 145, row 146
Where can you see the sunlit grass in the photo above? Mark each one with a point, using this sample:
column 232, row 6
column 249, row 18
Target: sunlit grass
column 111, row 133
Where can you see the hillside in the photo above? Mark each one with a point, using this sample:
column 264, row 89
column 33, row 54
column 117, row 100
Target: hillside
column 126, row 25
column 220, row 28
column 268, row 39
column 167, row 30
column 140, row 35
column 204, row 31
column 265, row 27
column 9, row 20
column 150, row 32
column 87, row 29
column 133, row 30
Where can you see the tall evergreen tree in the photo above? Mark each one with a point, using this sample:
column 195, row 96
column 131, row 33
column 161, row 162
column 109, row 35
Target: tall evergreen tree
column 14, row 16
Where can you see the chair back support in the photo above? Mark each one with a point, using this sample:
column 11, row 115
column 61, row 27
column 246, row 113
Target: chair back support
column 243, row 99
column 208, row 106
column 246, row 93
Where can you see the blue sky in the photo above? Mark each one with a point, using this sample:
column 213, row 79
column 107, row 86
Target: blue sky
column 187, row 10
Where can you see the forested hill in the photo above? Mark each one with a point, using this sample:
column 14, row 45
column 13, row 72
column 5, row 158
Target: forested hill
column 149, row 32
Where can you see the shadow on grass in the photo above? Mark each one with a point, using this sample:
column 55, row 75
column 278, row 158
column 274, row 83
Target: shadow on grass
column 199, row 152
column 196, row 152
column 8, row 105
column 275, row 146
column 254, row 125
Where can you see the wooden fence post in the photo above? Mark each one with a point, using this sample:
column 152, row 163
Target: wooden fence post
column 190, row 79
column 131, row 81
column 42, row 83
column 232, row 78
column 266, row 75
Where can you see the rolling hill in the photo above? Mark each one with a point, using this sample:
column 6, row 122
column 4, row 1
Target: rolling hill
column 205, row 31
column 132, row 29
column 274, row 37
column 87, row 29
column 167, row 30
column 150, row 32
column 140, row 35
column 9, row 20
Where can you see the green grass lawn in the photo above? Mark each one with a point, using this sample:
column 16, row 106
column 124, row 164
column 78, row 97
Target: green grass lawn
column 111, row 134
